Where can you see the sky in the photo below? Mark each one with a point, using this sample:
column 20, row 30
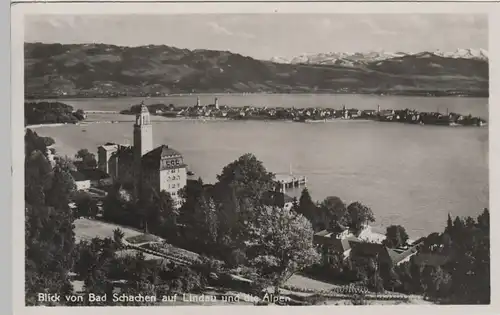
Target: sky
column 264, row 36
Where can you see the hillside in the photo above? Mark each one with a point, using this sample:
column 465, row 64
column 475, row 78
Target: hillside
column 92, row 70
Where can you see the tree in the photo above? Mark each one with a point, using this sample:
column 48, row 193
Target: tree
column 308, row 209
column 118, row 237
column 49, row 242
column 247, row 176
column 334, row 214
column 463, row 279
column 449, row 224
column 159, row 214
column 33, row 142
column 87, row 159
column 205, row 221
column 65, row 163
column 118, row 207
column 62, row 188
column 359, row 215
column 86, row 206
column 295, row 204
column 440, row 285
column 396, row 236
column 79, row 114
column 96, row 259
column 483, row 221
column 37, row 176
column 191, row 194
column 282, row 245
column 49, row 237
column 48, row 112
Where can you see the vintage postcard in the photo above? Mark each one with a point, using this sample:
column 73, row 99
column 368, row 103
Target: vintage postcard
column 274, row 155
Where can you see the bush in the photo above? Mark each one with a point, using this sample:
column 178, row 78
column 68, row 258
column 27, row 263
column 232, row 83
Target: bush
column 237, row 258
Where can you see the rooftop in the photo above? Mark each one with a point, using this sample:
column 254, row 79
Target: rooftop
column 144, row 108
column 109, row 146
column 161, row 152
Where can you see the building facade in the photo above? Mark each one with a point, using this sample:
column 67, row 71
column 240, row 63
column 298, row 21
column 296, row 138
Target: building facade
column 141, row 165
column 163, row 169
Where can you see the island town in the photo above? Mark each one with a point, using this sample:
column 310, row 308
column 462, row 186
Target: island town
column 311, row 114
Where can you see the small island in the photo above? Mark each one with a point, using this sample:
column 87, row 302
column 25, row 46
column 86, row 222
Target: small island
column 42, row 113
column 305, row 115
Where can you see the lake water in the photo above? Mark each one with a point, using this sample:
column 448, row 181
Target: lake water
column 462, row 105
column 408, row 174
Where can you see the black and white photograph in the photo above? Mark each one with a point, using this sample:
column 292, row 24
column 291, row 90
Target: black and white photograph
column 274, row 159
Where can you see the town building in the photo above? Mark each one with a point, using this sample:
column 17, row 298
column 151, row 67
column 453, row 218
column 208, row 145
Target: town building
column 365, row 244
column 142, row 166
column 81, row 182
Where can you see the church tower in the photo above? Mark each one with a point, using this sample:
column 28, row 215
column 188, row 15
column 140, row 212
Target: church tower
column 143, row 140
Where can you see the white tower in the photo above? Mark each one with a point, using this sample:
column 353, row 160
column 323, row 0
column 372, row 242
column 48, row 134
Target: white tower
column 143, row 143
column 143, row 132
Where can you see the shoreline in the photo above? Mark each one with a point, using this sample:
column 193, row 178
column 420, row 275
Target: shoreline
column 221, row 119
column 480, row 94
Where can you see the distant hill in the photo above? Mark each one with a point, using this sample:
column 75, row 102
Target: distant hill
column 93, row 70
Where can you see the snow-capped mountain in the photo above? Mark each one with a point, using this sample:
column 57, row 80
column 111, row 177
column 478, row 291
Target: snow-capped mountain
column 280, row 60
column 480, row 54
column 352, row 59
column 339, row 58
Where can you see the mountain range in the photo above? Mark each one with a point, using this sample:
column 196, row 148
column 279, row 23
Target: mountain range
column 99, row 70
column 357, row 58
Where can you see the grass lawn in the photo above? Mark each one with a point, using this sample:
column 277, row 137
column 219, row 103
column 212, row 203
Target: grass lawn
column 86, row 229
column 143, row 238
column 308, row 283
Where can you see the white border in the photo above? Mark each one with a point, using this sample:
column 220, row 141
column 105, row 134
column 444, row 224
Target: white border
column 17, row 123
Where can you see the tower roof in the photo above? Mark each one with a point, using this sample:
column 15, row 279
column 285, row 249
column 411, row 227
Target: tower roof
column 144, row 108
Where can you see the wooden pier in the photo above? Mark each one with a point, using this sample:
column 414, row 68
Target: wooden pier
column 290, row 181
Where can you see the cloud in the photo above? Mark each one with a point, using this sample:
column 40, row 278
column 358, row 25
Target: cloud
column 221, row 30
column 376, row 27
